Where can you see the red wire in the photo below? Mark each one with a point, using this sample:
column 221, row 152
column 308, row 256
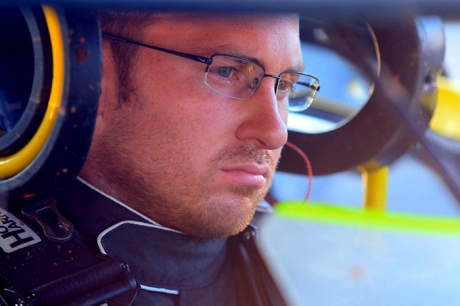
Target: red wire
column 307, row 162
column 270, row 199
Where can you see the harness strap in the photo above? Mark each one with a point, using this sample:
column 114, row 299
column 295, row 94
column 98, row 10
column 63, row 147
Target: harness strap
column 258, row 285
column 93, row 285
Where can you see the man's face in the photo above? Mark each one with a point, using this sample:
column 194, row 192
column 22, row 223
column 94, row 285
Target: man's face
column 181, row 153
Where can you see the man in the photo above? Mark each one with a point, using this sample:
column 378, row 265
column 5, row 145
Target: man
column 190, row 127
column 204, row 159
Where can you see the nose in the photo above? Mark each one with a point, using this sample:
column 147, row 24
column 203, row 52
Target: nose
column 263, row 123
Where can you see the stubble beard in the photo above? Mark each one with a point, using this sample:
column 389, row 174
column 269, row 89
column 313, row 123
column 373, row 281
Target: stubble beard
column 182, row 203
column 229, row 215
column 186, row 203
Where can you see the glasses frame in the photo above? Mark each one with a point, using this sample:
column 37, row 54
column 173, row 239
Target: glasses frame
column 209, row 60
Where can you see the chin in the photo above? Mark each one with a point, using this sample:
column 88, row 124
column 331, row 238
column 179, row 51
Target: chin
column 212, row 216
column 220, row 231
column 223, row 220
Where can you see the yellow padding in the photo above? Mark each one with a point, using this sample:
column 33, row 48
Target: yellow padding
column 446, row 117
column 13, row 164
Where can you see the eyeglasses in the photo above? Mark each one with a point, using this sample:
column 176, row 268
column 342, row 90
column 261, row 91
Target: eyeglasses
column 239, row 78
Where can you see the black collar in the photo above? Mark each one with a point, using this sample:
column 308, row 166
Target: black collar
column 158, row 257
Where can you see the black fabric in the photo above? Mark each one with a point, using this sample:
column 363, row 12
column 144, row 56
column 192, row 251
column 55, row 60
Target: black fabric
column 251, row 267
column 198, row 269
column 171, row 268
column 52, row 272
column 83, row 284
column 27, row 267
column 91, row 212
column 179, row 256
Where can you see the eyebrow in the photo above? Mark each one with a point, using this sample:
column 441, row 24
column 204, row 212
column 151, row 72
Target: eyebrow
column 230, row 50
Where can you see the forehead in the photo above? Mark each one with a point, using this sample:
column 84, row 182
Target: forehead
column 202, row 19
column 252, row 36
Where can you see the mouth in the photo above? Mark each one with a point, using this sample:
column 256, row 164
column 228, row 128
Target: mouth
column 247, row 174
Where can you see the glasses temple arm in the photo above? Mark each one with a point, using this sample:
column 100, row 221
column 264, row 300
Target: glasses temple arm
column 315, row 87
column 200, row 59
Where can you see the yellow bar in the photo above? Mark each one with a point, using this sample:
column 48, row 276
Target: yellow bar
column 375, row 189
column 446, row 117
column 15, row 163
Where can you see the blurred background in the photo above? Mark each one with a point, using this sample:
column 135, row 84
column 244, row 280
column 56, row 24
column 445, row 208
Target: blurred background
column 413, row 186
column 329, row 263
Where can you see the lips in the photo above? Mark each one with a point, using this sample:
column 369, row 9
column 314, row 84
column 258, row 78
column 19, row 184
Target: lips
column 248, row 174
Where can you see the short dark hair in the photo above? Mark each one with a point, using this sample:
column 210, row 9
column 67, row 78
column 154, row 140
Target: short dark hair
column 126, row 24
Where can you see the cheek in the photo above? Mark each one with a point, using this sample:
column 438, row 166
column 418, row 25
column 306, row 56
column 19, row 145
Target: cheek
column 205, row 116
column 180, row 133
column 190, row 120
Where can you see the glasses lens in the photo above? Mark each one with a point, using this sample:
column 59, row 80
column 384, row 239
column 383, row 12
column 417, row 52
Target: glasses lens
column 296, row 91
column 233, row 77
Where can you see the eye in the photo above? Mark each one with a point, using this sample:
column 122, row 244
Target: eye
column 224, row 72
column 254, row 83
column 285, row 85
